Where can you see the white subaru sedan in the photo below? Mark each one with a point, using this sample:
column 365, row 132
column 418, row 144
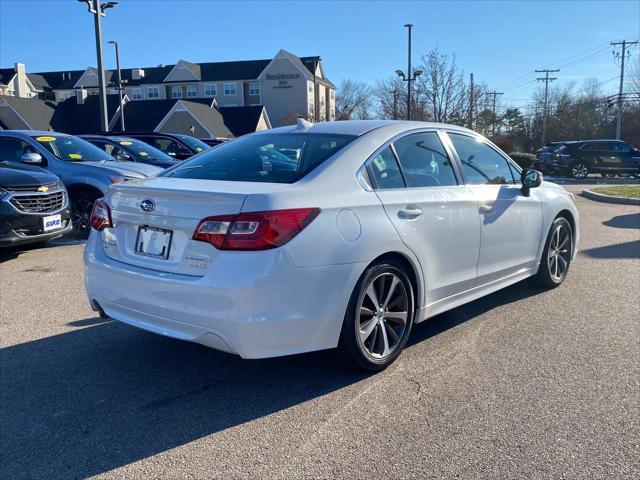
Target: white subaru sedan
column 338, row 234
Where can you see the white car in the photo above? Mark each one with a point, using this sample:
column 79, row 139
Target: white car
column 338, row 234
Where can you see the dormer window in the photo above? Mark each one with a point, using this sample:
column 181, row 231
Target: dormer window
column 192, row 91
column 176, row 92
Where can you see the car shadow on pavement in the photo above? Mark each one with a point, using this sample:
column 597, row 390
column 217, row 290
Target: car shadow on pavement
column 93, row 399
column 617, row 250
column 630, row 220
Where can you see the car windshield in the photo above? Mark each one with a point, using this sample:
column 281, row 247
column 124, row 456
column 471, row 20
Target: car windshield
column 72, row 149
column 276, row 158
column 193, row 143
column 141, row 151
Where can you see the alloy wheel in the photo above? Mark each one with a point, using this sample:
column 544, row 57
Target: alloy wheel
column 81, row 215
column 579, row 170
column 559, row 254
column 383, row 315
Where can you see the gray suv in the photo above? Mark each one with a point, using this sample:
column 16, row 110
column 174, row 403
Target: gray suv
column 86, row 170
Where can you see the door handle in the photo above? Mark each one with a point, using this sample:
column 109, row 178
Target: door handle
column 409, row 213
column 488, row 208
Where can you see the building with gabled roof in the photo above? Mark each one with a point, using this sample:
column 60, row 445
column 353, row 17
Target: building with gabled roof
column 286, row 85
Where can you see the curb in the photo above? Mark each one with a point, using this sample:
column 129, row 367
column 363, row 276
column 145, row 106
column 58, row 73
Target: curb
column 599, row 197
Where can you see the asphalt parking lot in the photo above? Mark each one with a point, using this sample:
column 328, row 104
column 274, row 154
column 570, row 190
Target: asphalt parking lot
column 521, row 384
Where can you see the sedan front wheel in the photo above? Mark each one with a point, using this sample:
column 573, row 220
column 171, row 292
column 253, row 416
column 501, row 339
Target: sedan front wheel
column 379, row 316
column 557, row 253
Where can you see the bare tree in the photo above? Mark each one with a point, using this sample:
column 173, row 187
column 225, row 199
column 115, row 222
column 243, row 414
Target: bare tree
column 441, row 88
column 353, row 100
column 389, row 99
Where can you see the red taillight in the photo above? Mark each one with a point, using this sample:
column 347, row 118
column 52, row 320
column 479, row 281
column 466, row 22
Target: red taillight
column 254, row 230
column 100, row 215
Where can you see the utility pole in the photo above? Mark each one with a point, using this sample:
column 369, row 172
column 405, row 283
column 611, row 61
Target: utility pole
column 493, row 123
column 113, row 42
column 470, row 119
column 97, row 9
column 411, row 76
column 395, row 94
column 622, row 56
column 409, row 26
column 546, row 79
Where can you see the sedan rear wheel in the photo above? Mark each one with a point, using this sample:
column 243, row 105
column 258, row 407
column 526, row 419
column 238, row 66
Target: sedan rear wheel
column 579, row 170
column 379, row 317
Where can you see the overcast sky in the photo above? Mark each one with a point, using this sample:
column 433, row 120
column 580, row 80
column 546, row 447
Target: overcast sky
column 502, row 42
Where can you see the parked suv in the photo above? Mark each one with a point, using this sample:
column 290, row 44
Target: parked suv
column 607, row 157
column 175, row 145
column 545, row 155
column 85, row 170
column 126, row 149
column 34, row 205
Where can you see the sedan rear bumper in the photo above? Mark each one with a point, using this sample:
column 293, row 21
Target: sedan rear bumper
column 254, row 304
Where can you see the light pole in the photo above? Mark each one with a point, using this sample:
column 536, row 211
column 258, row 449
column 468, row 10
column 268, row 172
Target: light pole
column 97, row 10
column 411, row 76
column 113, row 42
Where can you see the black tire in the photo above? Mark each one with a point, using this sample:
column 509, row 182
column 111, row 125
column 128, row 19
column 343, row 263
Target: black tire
column 380, row 275
column 636, row 174
column 81, row 206
column 546, row 276
column 608, row 174
column 579, row 170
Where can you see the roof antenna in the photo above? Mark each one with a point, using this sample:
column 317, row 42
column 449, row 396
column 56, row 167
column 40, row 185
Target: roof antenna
column 303, row 124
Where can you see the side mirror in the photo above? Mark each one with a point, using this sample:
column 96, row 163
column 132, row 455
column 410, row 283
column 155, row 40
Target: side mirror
column 32, row 158
column 530, row 179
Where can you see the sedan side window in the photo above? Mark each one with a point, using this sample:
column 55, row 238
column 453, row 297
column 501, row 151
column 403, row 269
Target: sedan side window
column 424, row 161
column 384, row 172
column 481, row 164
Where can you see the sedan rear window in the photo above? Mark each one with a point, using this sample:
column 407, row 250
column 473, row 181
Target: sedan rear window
column 275, row 158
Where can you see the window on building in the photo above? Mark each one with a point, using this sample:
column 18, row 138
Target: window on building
column 322, row 100
column 192, row 91
column 311, row 108
column 136, row 94
column 481, row 164
column 332, row 94
column 176, row 92
column 210, row 90
column 310, row 87
column 254, row 88
column 153, row 92
column 229, row 88
column 333, row 113
column 424, row 161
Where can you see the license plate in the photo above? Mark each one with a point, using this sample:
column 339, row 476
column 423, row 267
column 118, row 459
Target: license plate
column 153, row 242
column 52, row 222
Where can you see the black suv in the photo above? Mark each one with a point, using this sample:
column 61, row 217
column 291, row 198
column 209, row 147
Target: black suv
column 607, row 157
column 175, row 145
column 34, row 205
column 544, row 156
